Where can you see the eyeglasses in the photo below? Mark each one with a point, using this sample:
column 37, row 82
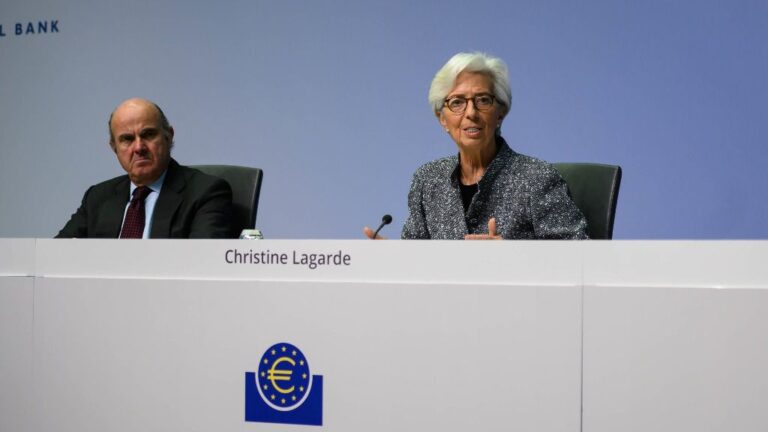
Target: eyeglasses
column 458, row 104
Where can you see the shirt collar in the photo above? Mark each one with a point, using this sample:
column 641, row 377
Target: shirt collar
column 156, row 186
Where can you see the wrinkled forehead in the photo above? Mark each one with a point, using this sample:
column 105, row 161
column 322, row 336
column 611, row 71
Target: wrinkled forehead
column 134, row 115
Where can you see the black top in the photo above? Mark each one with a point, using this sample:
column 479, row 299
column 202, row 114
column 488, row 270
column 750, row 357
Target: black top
column 467, row 192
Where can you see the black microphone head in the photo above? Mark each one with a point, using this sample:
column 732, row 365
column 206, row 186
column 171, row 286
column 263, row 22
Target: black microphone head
column 387, row 219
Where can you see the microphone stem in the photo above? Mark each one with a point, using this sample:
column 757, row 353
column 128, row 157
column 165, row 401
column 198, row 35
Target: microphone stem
column 375, row 233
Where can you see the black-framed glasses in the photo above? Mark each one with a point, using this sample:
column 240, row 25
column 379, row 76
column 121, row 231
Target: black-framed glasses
column 458, row 104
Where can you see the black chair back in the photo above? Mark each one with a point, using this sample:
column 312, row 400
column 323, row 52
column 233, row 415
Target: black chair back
column 595, row 189
column 246, row 186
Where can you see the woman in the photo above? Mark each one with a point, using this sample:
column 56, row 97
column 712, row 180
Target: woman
column 487, row 191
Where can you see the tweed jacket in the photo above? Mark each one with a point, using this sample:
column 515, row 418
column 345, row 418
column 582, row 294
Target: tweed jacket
column 526, row 195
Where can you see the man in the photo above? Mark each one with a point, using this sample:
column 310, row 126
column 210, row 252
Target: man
column 158, row 198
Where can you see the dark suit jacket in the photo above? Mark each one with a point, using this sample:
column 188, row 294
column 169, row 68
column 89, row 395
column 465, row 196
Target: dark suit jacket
column 191, row 205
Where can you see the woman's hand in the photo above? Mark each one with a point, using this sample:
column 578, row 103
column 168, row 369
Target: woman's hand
column 490, row 236
column 369, row 233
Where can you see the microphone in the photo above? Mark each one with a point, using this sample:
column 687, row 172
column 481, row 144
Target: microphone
column 386, row 220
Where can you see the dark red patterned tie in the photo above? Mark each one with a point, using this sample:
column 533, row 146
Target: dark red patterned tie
column 133, row 227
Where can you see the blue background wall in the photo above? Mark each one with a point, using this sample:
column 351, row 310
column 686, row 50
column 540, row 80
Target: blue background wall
column 329, row 98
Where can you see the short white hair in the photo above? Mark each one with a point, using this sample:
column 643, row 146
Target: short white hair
column 445, row 78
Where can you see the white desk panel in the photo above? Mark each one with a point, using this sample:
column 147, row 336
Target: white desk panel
column 17, row 257
column 121, row 354
column 16, row 313
column 161, row 333
column 675, row 359
column 676, row 336
column 528, row 263
column 664, row 264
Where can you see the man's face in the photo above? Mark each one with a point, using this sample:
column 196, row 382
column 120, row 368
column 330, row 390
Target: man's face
column 142, row 146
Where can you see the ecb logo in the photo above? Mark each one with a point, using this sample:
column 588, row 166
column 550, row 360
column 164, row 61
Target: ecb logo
column 282, row 390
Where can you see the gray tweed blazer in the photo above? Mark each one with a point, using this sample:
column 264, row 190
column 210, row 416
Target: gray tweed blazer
column 526, row 195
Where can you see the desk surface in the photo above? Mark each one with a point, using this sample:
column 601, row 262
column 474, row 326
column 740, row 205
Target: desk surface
column 713, row 264
column 409, row 335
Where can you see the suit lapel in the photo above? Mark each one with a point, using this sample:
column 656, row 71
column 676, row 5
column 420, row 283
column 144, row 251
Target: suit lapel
column 454, row 207
column 168, row 202
column 455, row 212
column 112, row 210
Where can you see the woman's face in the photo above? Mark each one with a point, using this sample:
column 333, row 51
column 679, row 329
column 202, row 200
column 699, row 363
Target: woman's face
column 472, row 130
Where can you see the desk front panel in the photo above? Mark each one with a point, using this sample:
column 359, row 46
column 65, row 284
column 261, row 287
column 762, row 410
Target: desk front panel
column 130, row 354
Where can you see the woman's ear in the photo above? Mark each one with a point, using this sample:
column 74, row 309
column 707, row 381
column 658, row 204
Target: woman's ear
column 443, row 121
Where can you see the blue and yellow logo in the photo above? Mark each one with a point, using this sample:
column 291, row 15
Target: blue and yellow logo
column 283, row 390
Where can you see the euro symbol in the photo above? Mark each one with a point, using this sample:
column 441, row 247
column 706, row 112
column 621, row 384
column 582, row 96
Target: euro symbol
column 280, row 374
